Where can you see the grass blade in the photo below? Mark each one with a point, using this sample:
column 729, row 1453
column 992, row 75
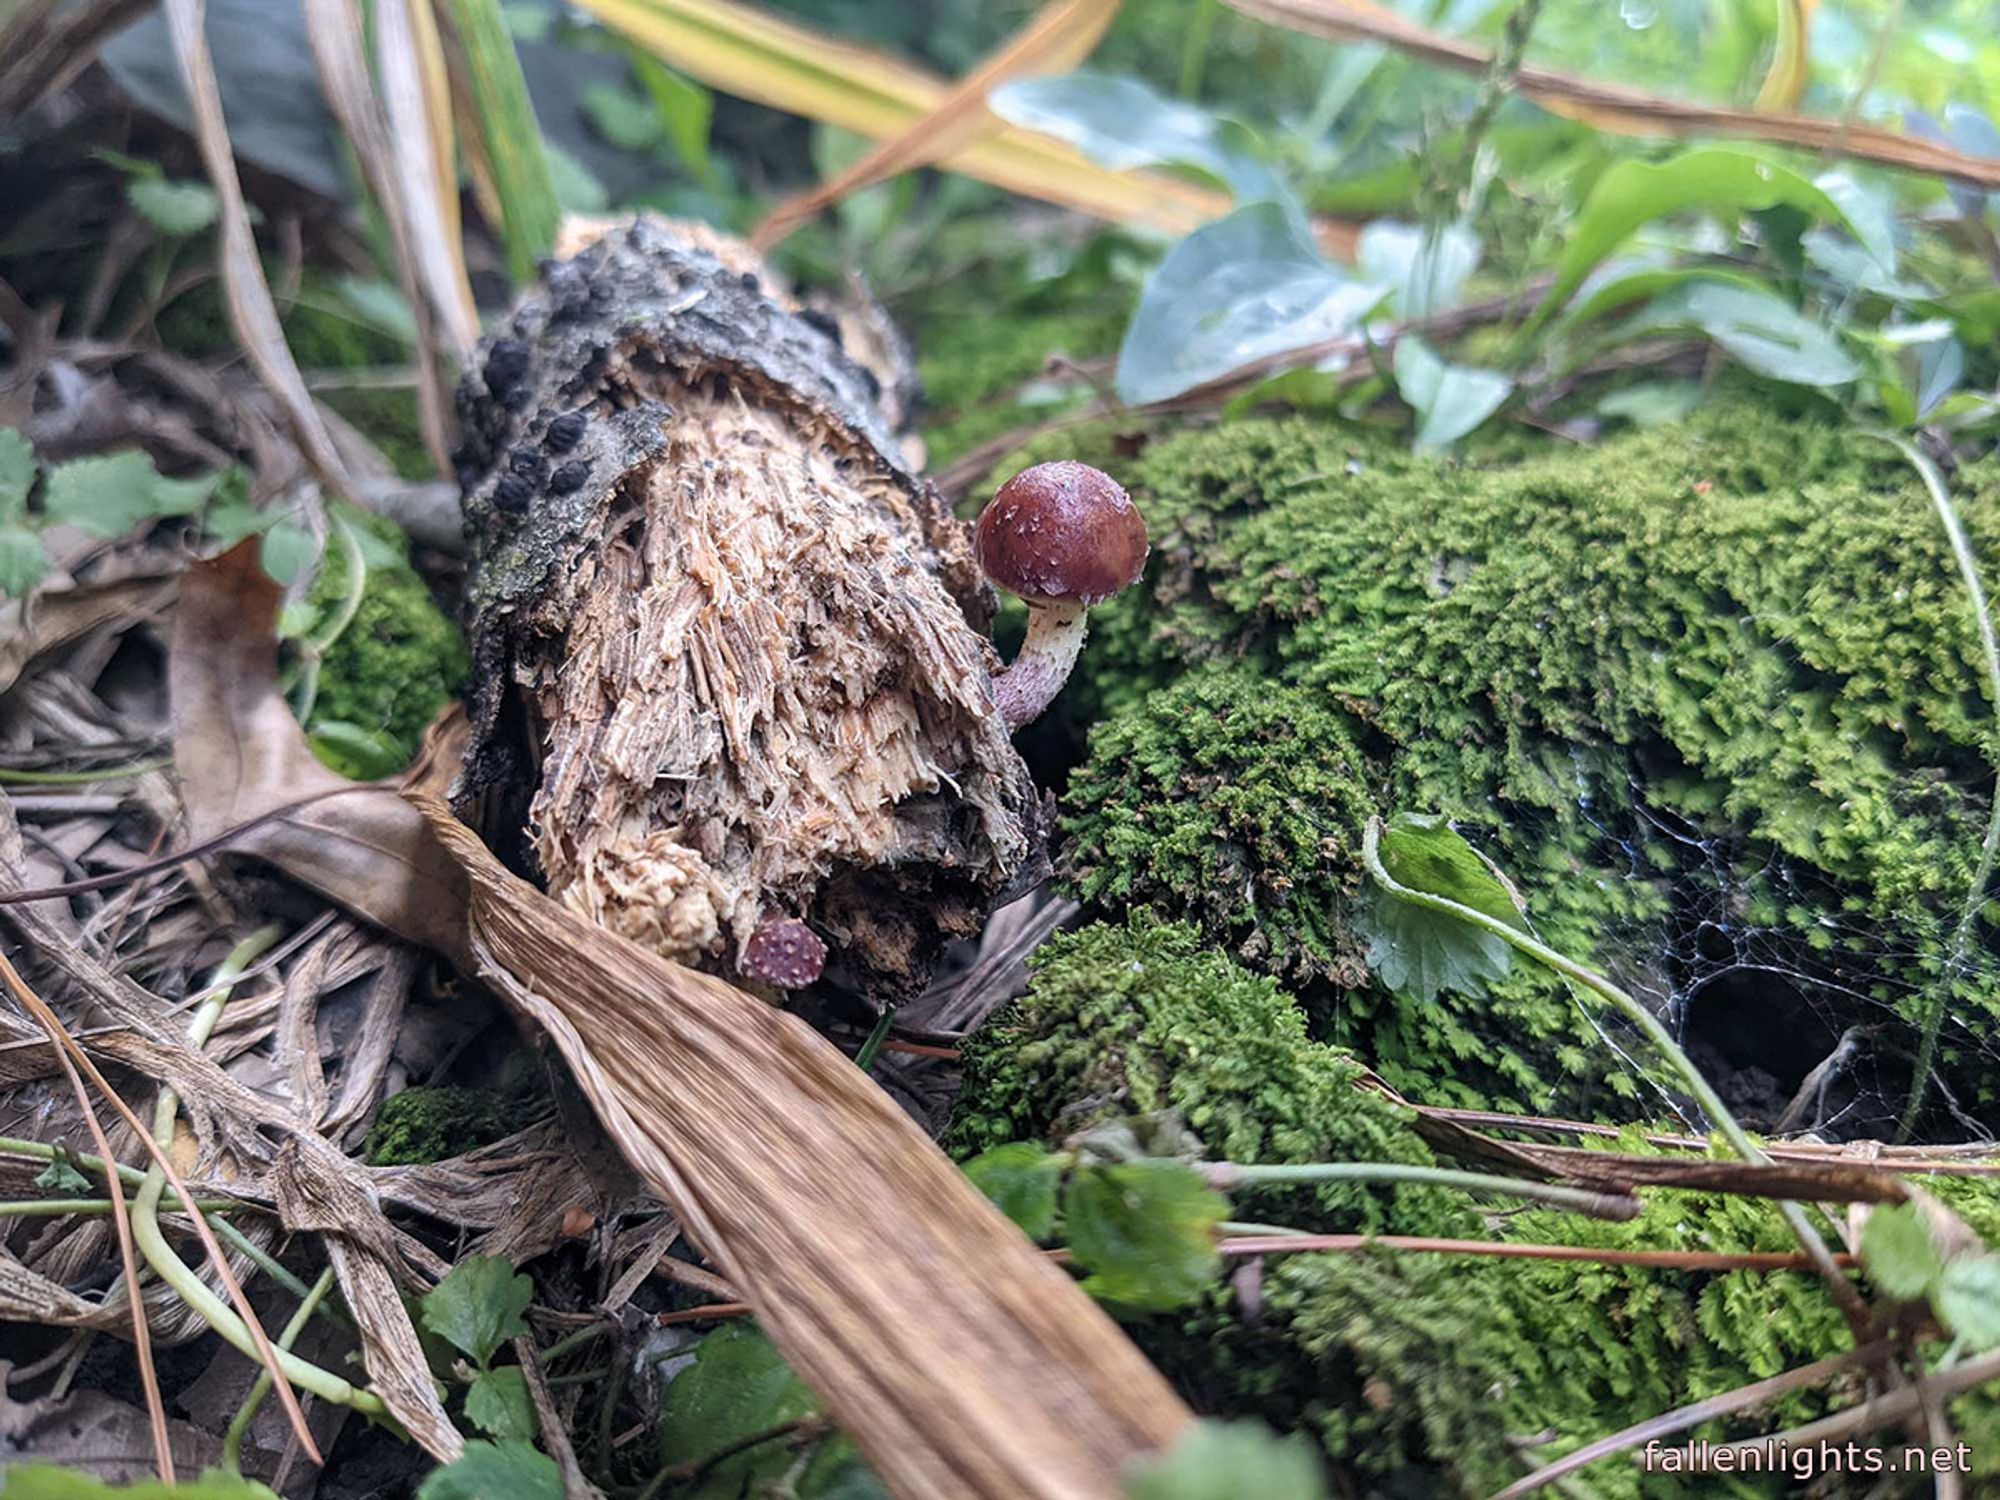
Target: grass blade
column 416, row 98
column 501, row 131
column 1058, row 37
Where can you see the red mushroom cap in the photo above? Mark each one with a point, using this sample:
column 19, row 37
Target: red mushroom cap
column 783, row 951
column 1061, row 531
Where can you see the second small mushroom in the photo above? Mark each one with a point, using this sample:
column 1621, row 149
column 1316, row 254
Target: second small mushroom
column 1063, row 536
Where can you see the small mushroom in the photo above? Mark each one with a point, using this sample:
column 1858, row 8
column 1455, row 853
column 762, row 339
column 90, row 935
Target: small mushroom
column 784, row 952
column 1064, row 536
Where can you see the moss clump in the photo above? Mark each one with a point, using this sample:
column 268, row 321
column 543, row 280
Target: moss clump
column 434, row 1122
column 399, row 660
column 1137, row 1019
column 1715, row 678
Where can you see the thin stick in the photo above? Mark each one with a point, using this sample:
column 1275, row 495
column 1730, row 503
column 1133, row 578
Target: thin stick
column 1743, row 1398
column 142, row 1335
column 1883, row 1411
column 1666, row 1260
column 1226, row 1175
column 1845, row 1297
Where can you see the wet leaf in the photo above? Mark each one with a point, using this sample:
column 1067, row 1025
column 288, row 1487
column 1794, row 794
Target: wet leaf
column 1145, row 1231
column 478, row 1306
column 1247, row 286
column 1021, row 1180
column 1226, row 1460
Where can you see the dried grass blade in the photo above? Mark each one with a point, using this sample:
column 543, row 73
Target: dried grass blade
column 500, row 127
column 72, row 1051
column 251, row 312
column 334, row 31
column 416, row 98
column 1791, row 60
column 1057, row 37
column 142, row 1336
column 1623, row 110
column 44, row 44
column 831, row 1212
column 757, row 56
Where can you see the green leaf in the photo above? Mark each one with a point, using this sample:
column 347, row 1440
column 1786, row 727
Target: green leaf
column 1021, row 1179
column 60, row 1177
column 1897, row 1250
column 506, row 133
column 1449, row 400
column 287, row 549
column 496, row 1471
column 1145, row 1231
column 1427, row 272
column 1967, row 1300
column 1248, row 285
column 1420, row 953
column 23, row 563
column 356, row 753
column 17, row 474
column 686, row 109
column 738, row 1386
column 499, row 1403
column 478, row 1306
column 625, row 119
column 1227, row 1460
column 1652, row 403
column 106, row 496
column 1763, row 331
column 1718, row 179
column 44, row 1483
column 176, row 209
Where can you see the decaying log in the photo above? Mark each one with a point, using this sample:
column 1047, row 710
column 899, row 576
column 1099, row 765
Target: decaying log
column 730, row 653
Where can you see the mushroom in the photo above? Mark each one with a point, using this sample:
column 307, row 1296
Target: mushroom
column 1064, row 536
column 784, row 952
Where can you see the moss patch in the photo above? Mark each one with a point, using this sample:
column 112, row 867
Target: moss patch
column 434, row 1122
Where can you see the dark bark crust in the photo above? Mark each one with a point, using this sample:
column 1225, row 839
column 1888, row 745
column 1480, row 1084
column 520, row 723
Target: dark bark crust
column 729, row 652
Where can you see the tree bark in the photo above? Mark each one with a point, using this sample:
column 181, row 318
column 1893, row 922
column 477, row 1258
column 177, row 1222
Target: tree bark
column 730, row 653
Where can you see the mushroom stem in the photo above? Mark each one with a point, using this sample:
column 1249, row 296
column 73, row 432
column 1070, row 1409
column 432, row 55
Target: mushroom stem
column 1056, row 630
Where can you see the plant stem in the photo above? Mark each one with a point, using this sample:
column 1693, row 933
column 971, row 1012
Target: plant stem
column 865, row 1058
column 1982, row 875
column 572, row 1340
column 1841, row 1289
column 357, row 582
column 1226, row 1175
column 51, row 1208
column 168, row 1266
column 86, row 778
column 232, row 1440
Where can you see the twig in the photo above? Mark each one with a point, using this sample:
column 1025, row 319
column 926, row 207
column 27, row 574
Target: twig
column 142, row 1336
column 1883, row 1411
column 1682, row 1418
column 702, row 1314
column 1665, row 1260
column 1845, row 1297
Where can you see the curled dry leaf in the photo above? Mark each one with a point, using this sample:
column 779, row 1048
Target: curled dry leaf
column 960, row 1359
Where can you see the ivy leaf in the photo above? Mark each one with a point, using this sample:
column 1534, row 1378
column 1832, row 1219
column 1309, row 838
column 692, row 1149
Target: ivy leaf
column 106, row 496
column 23, row 563
column 496, row 1471
column 1761, row 330
column 17, row 474
column 1225, row 1460
column 498, row 1401
column 60, row 1177
column 1449, row 400
column 1247, row 285
column 176, row 208
column 1021, row 1179
column 478, row 1306
column 1420, row 953
column 1967, row 1300
column 1145, row 1230
column 1897, row 1250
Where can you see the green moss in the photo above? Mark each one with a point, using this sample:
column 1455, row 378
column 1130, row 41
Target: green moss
column 434, row 1122
column 399, row 660
column 1717, row 671
column 1137, row 1018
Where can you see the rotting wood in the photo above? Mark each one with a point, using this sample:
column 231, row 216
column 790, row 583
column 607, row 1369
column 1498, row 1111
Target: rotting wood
column 730, row 652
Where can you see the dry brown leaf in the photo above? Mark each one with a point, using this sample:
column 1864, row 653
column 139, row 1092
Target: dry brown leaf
column 961, row 1360
column 1057, row 37
column 53, row 617
column 251, row 311
column 1626, row 111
